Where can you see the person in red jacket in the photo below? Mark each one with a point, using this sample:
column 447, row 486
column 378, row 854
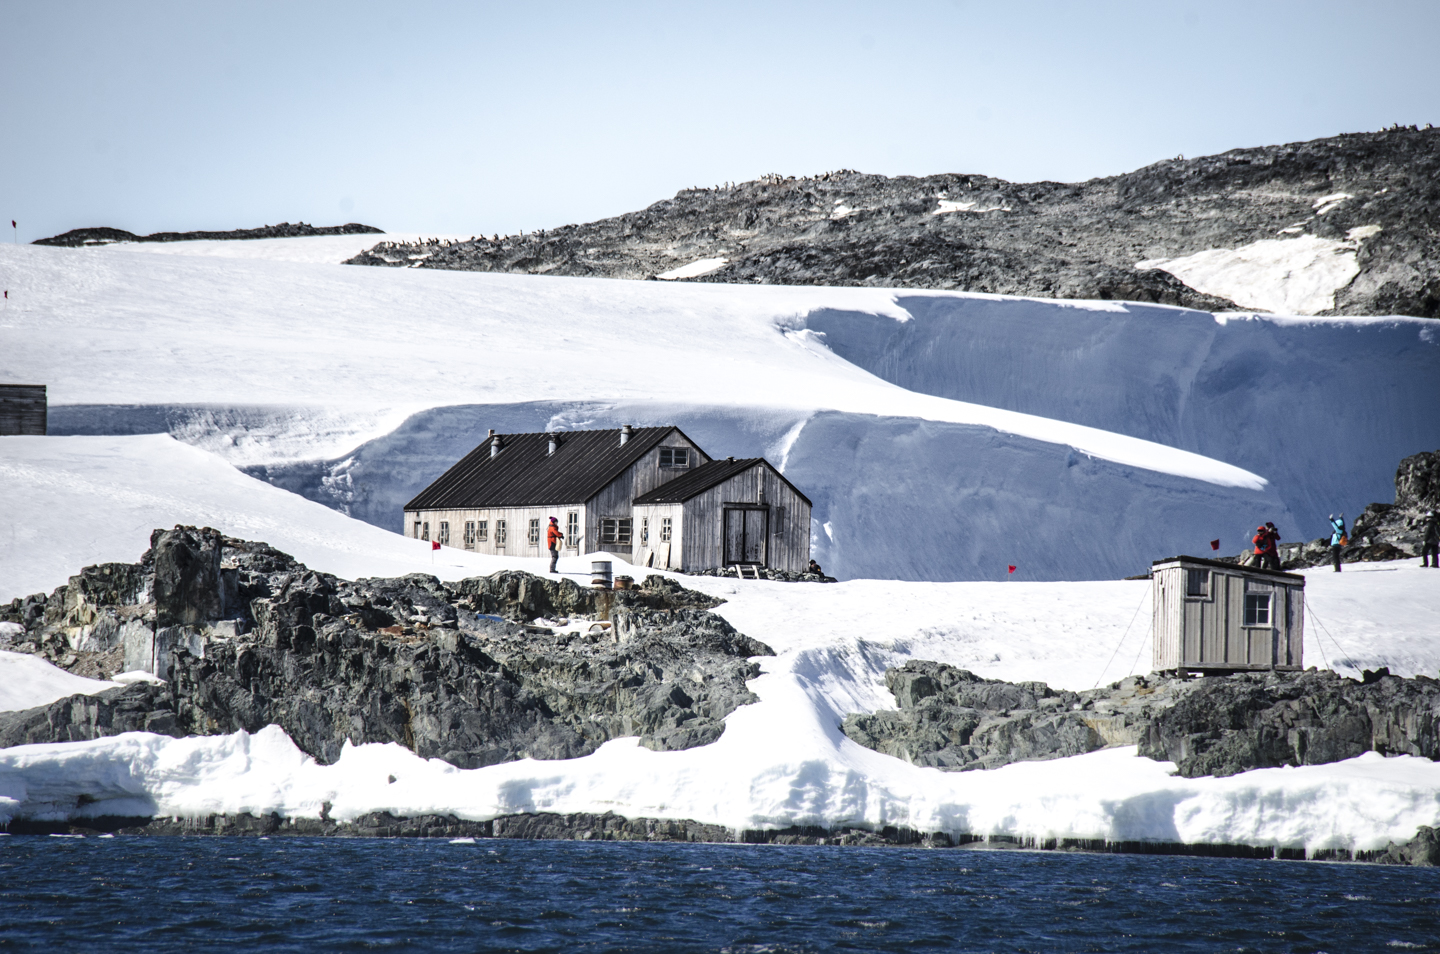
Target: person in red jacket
column 1265, row 553
column 554, row 536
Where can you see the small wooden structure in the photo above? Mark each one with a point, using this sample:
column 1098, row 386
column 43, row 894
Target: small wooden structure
column 1216, row 617
column 23, row 409
column 725, row 513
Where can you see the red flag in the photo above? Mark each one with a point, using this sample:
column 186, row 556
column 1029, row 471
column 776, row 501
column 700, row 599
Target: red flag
column 435, row 544
column 13, row 225
column 1012, row 567
column 1214, row 544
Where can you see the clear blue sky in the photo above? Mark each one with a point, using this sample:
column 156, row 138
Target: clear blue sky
column 471, row 117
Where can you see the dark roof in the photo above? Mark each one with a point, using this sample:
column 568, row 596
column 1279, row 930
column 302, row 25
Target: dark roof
column 1221, row 564
column 702, row 478
column 523, row 475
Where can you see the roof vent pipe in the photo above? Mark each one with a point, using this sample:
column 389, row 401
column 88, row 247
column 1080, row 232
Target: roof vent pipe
column 495, row 444
column 554, row 443
column 625, row 432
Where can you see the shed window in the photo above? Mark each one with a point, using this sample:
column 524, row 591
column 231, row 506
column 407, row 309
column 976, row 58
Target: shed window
column 572, row 529
column 417, row 529
column 615, row 530
column 674, row 457
column 644, row 531
column 482, row 530
column 469, row 534
column 533, row 535
column 1197, row 582
column 444, row 533
column 425, row 530
column 499, row 533
column 1257, row 609
column 664, row 529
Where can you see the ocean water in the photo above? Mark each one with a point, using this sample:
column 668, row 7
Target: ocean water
column 158, row 895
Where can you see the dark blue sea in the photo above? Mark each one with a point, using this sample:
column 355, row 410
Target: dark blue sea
column 156, row 895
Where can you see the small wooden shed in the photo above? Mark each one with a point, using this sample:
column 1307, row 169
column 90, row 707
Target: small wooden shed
column 1216, row 617
column 23, row 409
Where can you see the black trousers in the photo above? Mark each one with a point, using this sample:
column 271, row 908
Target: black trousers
column 554, row 557
column 1335, row 555
column 1430, row 554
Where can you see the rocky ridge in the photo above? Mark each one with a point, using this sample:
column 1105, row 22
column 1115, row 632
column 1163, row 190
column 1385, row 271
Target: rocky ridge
column 981, row 234
column 108, row 236
column 487, row 670
column 951, row 719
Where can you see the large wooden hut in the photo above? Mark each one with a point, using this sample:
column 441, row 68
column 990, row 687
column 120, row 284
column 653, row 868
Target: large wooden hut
column 602, row 488
column 1216, row 617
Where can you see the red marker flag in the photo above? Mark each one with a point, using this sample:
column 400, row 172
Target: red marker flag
column 1214, row 544
column 435, row 544
column 1012, row 567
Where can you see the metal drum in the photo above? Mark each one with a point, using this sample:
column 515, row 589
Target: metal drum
column 600, row 574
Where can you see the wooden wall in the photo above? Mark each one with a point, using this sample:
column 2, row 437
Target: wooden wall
column 517, row 520
column 658, row 554
column 1209, row 632
column 788, row 545
column 22, row 409
column 617, row 499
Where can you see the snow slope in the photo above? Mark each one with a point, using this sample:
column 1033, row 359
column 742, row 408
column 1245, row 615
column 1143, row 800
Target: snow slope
column 311, row 249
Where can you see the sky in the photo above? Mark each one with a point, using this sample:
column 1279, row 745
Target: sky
column 469, row 118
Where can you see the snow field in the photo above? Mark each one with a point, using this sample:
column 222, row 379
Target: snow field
column 309, row 249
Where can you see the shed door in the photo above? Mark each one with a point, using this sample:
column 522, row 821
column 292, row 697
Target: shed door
column 746, row 532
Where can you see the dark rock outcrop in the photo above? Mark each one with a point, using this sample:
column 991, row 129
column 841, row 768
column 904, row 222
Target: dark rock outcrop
column 1048, row 239
column 109, row 236
column 1230, row 725
column 954, row 720
column 487, row 670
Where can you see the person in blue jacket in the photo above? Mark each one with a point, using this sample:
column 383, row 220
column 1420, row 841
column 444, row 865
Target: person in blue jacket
column 1337, row 535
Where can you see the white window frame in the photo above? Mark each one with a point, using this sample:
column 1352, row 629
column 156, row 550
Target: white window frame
column 572, row 529
column 616, row 531
column 482, row 531
column 500, row 533
column 1258, row 605
column 669, row 455
column 532, row 532
column 425, row 530
column 469, row 534
column 666, row 529
column 644, row 531
column 444, row 535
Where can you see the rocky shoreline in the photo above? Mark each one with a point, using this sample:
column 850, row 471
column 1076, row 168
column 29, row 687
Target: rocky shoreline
column 76, row 238
column 1421, row 851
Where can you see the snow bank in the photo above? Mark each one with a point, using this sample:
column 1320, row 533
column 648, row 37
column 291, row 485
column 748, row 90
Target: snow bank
column 27, row 681
column 309, row 249
column 1297, row 276
column 701, row 266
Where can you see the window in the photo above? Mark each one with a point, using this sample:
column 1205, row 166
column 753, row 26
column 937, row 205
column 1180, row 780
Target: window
column 417, row 529
column 777, row 521
column 425, row 531
column 469, row 534
column 482, row 530
column 444, row 533
column 664, row 529
column 1257, row 609
column 615, row 530
column 499, row 533
column 572, row 529
column 644, row 531
column 533, row 534
column 1197, row 582
column 674, row 457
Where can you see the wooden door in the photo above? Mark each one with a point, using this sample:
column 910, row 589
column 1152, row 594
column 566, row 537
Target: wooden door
column 746, row 532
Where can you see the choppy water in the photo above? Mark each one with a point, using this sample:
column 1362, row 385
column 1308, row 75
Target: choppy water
column 198, row 894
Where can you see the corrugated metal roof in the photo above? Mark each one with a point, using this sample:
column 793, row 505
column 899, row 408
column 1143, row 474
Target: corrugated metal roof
column 524, row 475
column 704, row 477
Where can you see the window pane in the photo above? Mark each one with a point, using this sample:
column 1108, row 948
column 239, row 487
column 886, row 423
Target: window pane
column 1257, row 609
column 572, row 529
column 534, row 531
column 622, row 531
column 483, row 529
column 1197, row 582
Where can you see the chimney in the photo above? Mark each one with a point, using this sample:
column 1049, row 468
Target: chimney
column 625, row 432
column 554, row 443
column 495, row 444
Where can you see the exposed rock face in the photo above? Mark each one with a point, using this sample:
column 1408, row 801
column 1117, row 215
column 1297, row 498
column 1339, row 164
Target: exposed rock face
column 248, row 637
column 952, row 719
column 981, row 234
column 108, row 236
column 1252, row 720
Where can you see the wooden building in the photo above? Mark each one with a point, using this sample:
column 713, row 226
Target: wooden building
column 22, row 409
column 1216, row 617
column 499, row 499
column 724, row 513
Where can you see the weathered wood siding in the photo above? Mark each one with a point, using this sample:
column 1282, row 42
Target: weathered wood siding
column 23, row 409
column 617, row 499
column 517, row 525
column 788, row 540
column 657, row 553
column 1209, row 632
